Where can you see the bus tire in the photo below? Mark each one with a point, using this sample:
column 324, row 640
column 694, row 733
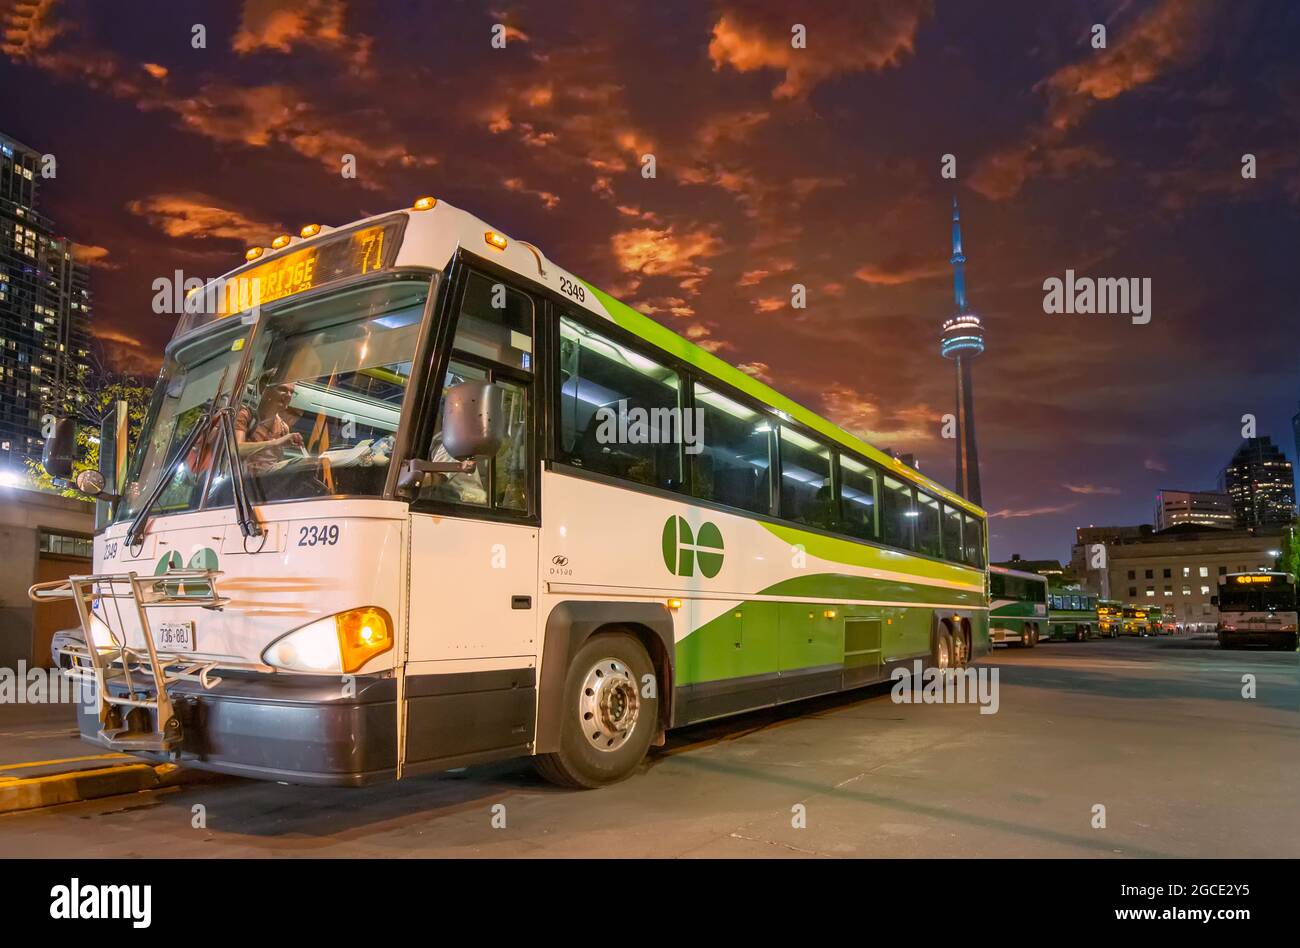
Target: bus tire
column 1029, row 638
column 604, row 688
column 1079, row 634
column 941, row 653
column 961, row 648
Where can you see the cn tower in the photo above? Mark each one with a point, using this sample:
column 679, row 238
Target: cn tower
column 962, row 340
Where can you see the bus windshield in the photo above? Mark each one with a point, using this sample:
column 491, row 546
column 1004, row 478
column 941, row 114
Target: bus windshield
column 324, row 383
column 1262, row 593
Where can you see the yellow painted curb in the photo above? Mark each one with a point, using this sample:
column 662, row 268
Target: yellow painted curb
column 30, row 793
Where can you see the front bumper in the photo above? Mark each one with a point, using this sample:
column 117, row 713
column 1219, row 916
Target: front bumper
column 330, row 731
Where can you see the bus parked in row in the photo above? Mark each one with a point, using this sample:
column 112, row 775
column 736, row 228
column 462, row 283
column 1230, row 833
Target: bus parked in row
column 1110, row 617
column 1136, row 620
column 431, row 500
column 1017, row 607
column 1072, row 614
column 1257, row 609
column 1024, row 609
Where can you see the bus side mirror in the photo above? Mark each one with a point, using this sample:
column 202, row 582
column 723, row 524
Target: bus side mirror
column 60, row 449
column 1214, row 601
column 473, row 420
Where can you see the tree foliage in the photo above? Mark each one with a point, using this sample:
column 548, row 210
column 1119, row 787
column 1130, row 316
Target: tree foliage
column 90, row 400
column 1289, row 561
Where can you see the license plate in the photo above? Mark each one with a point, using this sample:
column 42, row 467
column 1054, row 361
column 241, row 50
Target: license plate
column 175, row 636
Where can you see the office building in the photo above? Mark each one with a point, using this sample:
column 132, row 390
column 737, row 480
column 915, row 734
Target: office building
column 1261, row 483
column 1203, row 508
column 1179, row 569
column 44, row 307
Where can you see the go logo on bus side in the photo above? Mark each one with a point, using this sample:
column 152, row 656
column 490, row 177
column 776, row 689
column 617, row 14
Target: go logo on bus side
column 683, row 550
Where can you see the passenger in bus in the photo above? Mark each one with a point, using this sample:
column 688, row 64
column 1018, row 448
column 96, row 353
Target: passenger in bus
column 263, row 435
column 456, row 488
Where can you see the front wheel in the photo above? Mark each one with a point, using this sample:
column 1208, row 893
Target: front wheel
column 610, row 712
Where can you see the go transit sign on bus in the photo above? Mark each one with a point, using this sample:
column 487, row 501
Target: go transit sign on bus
column 684, row 551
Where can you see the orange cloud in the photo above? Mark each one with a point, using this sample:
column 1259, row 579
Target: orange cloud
column 258, row 116
column 899, row 269
column 666, row 252
column 1090, row 489
column 702, row 336
column 1168, row 36
column 1165, row 37
column 127, row 354
column 92, row 255
column 666, row 306
column 549, row 200
column 198, row 216
column 282, row 25
column 854, row 412
column 867, row 35
column 1010, row 514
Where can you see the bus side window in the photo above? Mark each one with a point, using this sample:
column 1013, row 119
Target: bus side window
column 493, row 342
column 928, row 524
column 973, row 536
column 897, row 515
column 734, row 465
column 620, row 411
column 806, row 495
column 997, row 586
column 857, row 491
column 952, row 533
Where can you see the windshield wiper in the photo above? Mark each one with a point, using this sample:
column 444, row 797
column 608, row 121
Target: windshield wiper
column 248, row 524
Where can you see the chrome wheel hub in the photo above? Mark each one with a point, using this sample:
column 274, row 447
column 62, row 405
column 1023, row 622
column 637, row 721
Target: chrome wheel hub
column 608, row 704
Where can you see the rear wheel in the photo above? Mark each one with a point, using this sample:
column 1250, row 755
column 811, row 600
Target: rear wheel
column 961, row 649
column 941, row 656
column 607, row 721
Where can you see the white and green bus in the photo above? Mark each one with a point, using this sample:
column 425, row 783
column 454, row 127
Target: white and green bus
column 1024, row 609
column 431, row 500
column 1017, row 607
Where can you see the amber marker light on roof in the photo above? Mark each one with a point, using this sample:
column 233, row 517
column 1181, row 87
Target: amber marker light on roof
column 424, row 203
column 495, row 240
column 281, row 241
column 311, row 230
column 252, row 253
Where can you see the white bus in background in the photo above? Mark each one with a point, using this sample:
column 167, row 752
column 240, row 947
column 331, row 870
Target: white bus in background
column 1257, row 608
column 374, row 527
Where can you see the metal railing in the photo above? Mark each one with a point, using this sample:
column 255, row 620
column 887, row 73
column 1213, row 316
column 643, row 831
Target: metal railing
column 140, row 673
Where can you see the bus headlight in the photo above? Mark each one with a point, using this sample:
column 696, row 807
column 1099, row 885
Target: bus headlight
column 101, row 634
column 337, row 643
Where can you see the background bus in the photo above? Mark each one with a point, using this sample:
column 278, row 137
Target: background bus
column 1135, row 620
column 1017, row 607
column 1072, row 613
column 1110, row 617
column 1257, row 609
